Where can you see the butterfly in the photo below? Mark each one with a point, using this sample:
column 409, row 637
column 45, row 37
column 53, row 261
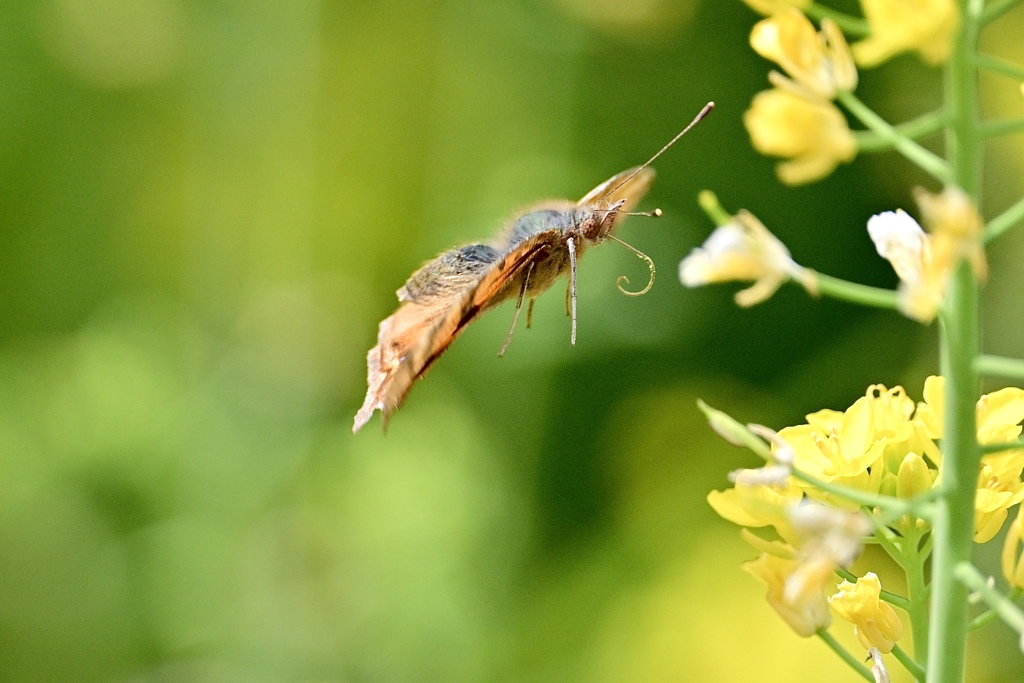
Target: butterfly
column 536, row 248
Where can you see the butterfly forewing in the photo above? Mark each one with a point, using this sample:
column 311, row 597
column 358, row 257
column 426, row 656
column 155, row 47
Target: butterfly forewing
column 617, row 188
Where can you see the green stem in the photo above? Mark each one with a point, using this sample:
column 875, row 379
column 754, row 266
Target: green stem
column 929, row 161
column 854, row 663
column 708, row 201
column 997, row 9
column 994, row 129
column 917, row 595
column 894, row 507
column 990, row 615
column 970, row 577
column 999, row 447
column 999, row 366
column 915, row 669
column 1004, row 221
column 926, row 550
column 929, row 123
column 953, row 529
column 889, row 541
column 1000, row 66
column 851, row 25
column 954, row 516
column 854, row 292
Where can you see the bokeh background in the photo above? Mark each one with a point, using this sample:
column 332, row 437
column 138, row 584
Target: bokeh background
column 206, row 206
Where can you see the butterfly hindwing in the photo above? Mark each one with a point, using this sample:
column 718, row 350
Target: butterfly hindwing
column 426, row 298
column 496, row 284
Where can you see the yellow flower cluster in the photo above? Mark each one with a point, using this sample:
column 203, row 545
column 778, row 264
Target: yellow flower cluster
column 883, row 444
column 925, row 26
column 797, row 120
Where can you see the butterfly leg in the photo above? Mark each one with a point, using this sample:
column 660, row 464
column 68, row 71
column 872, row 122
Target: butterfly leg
column 571, row 243
column 519, row 307
column 529, row 313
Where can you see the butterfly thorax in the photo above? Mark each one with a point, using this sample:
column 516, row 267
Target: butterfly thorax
column 589, row 224
column 550, row 226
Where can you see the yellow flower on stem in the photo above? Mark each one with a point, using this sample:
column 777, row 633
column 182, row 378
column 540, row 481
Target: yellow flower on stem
column 806, row 609
column 829, row 534
column 812, row 134
column 898, row 26
column 900, row 240
column 875, row 623
column 837, row 447
column 798, row 578
column 745, row 250
column 865, row 447
column 758, row 506
column 1013, row 557
column 820, row 64
column 998, row 416
column 773, row 6
column 931, row 412
column 999, row 489
column 956, row 228
column 925, row 262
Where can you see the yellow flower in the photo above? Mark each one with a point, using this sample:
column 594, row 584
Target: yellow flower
column 805, row 608
column 999, row 489
column 773, row 6
column 797, row 578
column 812, row 134
column 875, row 622
column 902, row 25
column 828, row 534
column 743, row 250
column 998, row 416
column 837, row 446
column 900, row 240
column 931, row 413
column 925, row 262
column 1013, row 559
column 820, row 64
column 758, row 506
column 956, row 228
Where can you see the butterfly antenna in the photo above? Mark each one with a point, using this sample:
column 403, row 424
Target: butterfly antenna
column 623, row 279
column 656, row 213
column 703, row 112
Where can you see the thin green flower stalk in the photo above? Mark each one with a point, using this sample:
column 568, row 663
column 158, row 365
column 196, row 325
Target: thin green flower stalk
column 960, row 345
column 926, row 480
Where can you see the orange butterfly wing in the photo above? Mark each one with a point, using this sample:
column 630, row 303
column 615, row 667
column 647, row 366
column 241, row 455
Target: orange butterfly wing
column 435, row 310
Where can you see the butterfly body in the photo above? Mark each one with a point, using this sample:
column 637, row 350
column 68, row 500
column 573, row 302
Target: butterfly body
column 444, row 295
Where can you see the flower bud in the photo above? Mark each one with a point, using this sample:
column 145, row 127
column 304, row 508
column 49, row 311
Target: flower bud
column 914, row 477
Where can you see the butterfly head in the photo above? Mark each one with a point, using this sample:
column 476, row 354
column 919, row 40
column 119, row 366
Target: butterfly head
column 602, row 221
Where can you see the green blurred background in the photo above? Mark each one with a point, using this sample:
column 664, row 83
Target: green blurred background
column 206, row 207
